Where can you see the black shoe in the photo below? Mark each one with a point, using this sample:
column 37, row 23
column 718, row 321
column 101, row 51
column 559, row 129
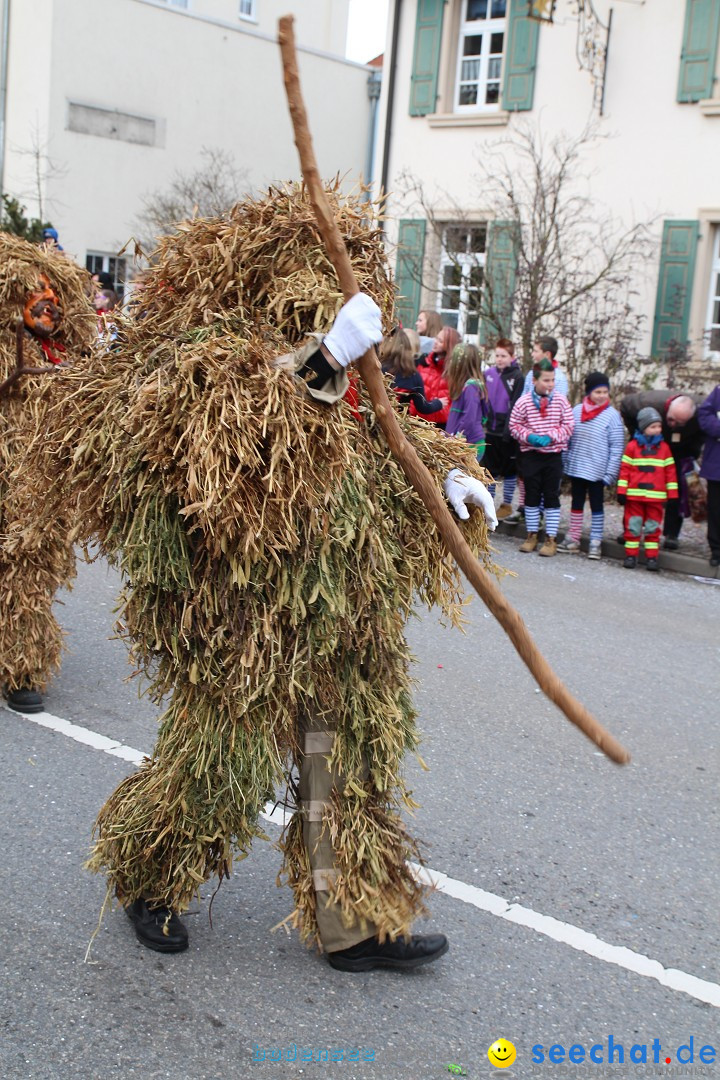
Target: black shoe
column 630, row 562
column 671, row 543
column 25, row 701
column 651, row 564
column 715, row 560
column 420, row 949
column 621, row 539
column 157, row 928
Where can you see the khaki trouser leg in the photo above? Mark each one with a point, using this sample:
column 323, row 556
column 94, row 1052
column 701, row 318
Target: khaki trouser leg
column 316, row 783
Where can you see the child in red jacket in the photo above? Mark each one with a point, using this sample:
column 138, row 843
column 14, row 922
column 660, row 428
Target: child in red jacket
column 647, row 480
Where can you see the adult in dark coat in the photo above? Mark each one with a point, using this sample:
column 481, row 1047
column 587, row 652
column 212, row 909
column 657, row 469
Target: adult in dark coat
column 709, row 420
column 681, row 431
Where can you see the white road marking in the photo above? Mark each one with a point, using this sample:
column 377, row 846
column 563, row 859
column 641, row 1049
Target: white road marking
column 562, row 932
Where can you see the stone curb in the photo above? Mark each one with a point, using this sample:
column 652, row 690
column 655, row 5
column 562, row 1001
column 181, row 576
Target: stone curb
column 676, row 561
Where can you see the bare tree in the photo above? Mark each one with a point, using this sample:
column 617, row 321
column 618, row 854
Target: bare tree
column 571, row 259
column 40, row 170
column 207, row 191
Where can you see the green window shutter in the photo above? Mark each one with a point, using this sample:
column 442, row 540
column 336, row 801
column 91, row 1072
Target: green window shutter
column 408, row 273
column 426, row 58
column 699, row 50
column 499, row 292
column 674, row 294
column 520, row 58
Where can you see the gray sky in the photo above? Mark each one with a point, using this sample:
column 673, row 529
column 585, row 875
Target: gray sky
column 366, row 29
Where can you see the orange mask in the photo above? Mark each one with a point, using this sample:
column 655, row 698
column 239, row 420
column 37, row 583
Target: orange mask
column 42, row 312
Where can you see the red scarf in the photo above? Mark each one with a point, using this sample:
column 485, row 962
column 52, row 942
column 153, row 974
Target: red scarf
column 51, row 356
column 590, row 411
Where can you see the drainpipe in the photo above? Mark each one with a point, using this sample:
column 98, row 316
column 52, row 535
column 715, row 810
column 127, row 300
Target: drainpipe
column 4, row 49
column 373, row 88
column 390, row 101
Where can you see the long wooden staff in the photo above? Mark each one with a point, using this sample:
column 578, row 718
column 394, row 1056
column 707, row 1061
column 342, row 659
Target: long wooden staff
column 401, row 448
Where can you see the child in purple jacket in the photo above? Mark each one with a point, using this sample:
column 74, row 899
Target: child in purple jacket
column 468, row 397
column 708, row 415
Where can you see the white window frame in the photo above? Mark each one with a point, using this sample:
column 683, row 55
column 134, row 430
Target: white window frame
column 484, row 28
column 713, row 299
column 250, row 15
column 466, row 262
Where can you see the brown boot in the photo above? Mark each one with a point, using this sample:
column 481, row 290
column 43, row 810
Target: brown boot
column 503, row 511
column 549, row 548
column 530, row 542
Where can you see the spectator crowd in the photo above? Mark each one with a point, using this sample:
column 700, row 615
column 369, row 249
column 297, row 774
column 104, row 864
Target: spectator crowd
column 657, row 453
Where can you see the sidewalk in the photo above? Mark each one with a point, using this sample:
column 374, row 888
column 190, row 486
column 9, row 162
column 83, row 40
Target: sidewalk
column 692, row 557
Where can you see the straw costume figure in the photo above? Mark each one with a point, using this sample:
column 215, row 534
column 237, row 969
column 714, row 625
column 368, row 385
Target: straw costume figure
column 273, row 551
column 45, row 321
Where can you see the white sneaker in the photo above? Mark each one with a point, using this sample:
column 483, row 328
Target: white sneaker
column 570, row 547
column 595, row 549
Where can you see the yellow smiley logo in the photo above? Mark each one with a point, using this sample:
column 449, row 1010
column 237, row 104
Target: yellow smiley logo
column 501, row 1054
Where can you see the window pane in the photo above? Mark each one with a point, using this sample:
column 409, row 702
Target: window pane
column 450, row 319
column 498, row 9
column 468, row 95
column 476, row 9
column 455, row 238
column 716, row 313
column 452, row 276
column 717, row 285
column 496, row 44
column 450, row 298
column 494, row 68
column 472, row 46
column 472, row 324
column 476, row 277
column 715, row 341
column 470, row 71
column 492, row 94
column 478, row 238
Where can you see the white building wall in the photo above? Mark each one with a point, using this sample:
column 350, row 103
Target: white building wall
column 658, row 159
column 208, row 83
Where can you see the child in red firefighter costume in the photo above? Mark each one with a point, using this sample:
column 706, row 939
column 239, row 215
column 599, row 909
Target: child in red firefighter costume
column 647, row 480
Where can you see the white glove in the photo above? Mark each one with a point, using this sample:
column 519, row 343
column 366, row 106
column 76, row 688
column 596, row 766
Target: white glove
column 357, row 326
column 462, row 490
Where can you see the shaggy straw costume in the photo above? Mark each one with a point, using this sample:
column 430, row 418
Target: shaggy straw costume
column 272, row 550
column 36, row 557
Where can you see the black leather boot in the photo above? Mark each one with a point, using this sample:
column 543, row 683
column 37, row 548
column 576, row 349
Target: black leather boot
column 25, row 700
column 158, row 928
column 402, row 955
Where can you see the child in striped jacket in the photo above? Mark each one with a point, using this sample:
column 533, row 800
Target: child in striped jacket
column 647, row 480
column 592, row 461
column 542, row 422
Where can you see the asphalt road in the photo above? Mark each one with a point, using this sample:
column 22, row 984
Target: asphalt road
column 516, row 803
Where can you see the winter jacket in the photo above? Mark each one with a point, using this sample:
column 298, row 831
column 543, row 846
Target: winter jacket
column 648, row 473
column 558, row 423
column 468, row 413
column 410, row 389
column 503, row 390
column 708, row 416
column 684, row 442
column 435, row 387
column 596, row 446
